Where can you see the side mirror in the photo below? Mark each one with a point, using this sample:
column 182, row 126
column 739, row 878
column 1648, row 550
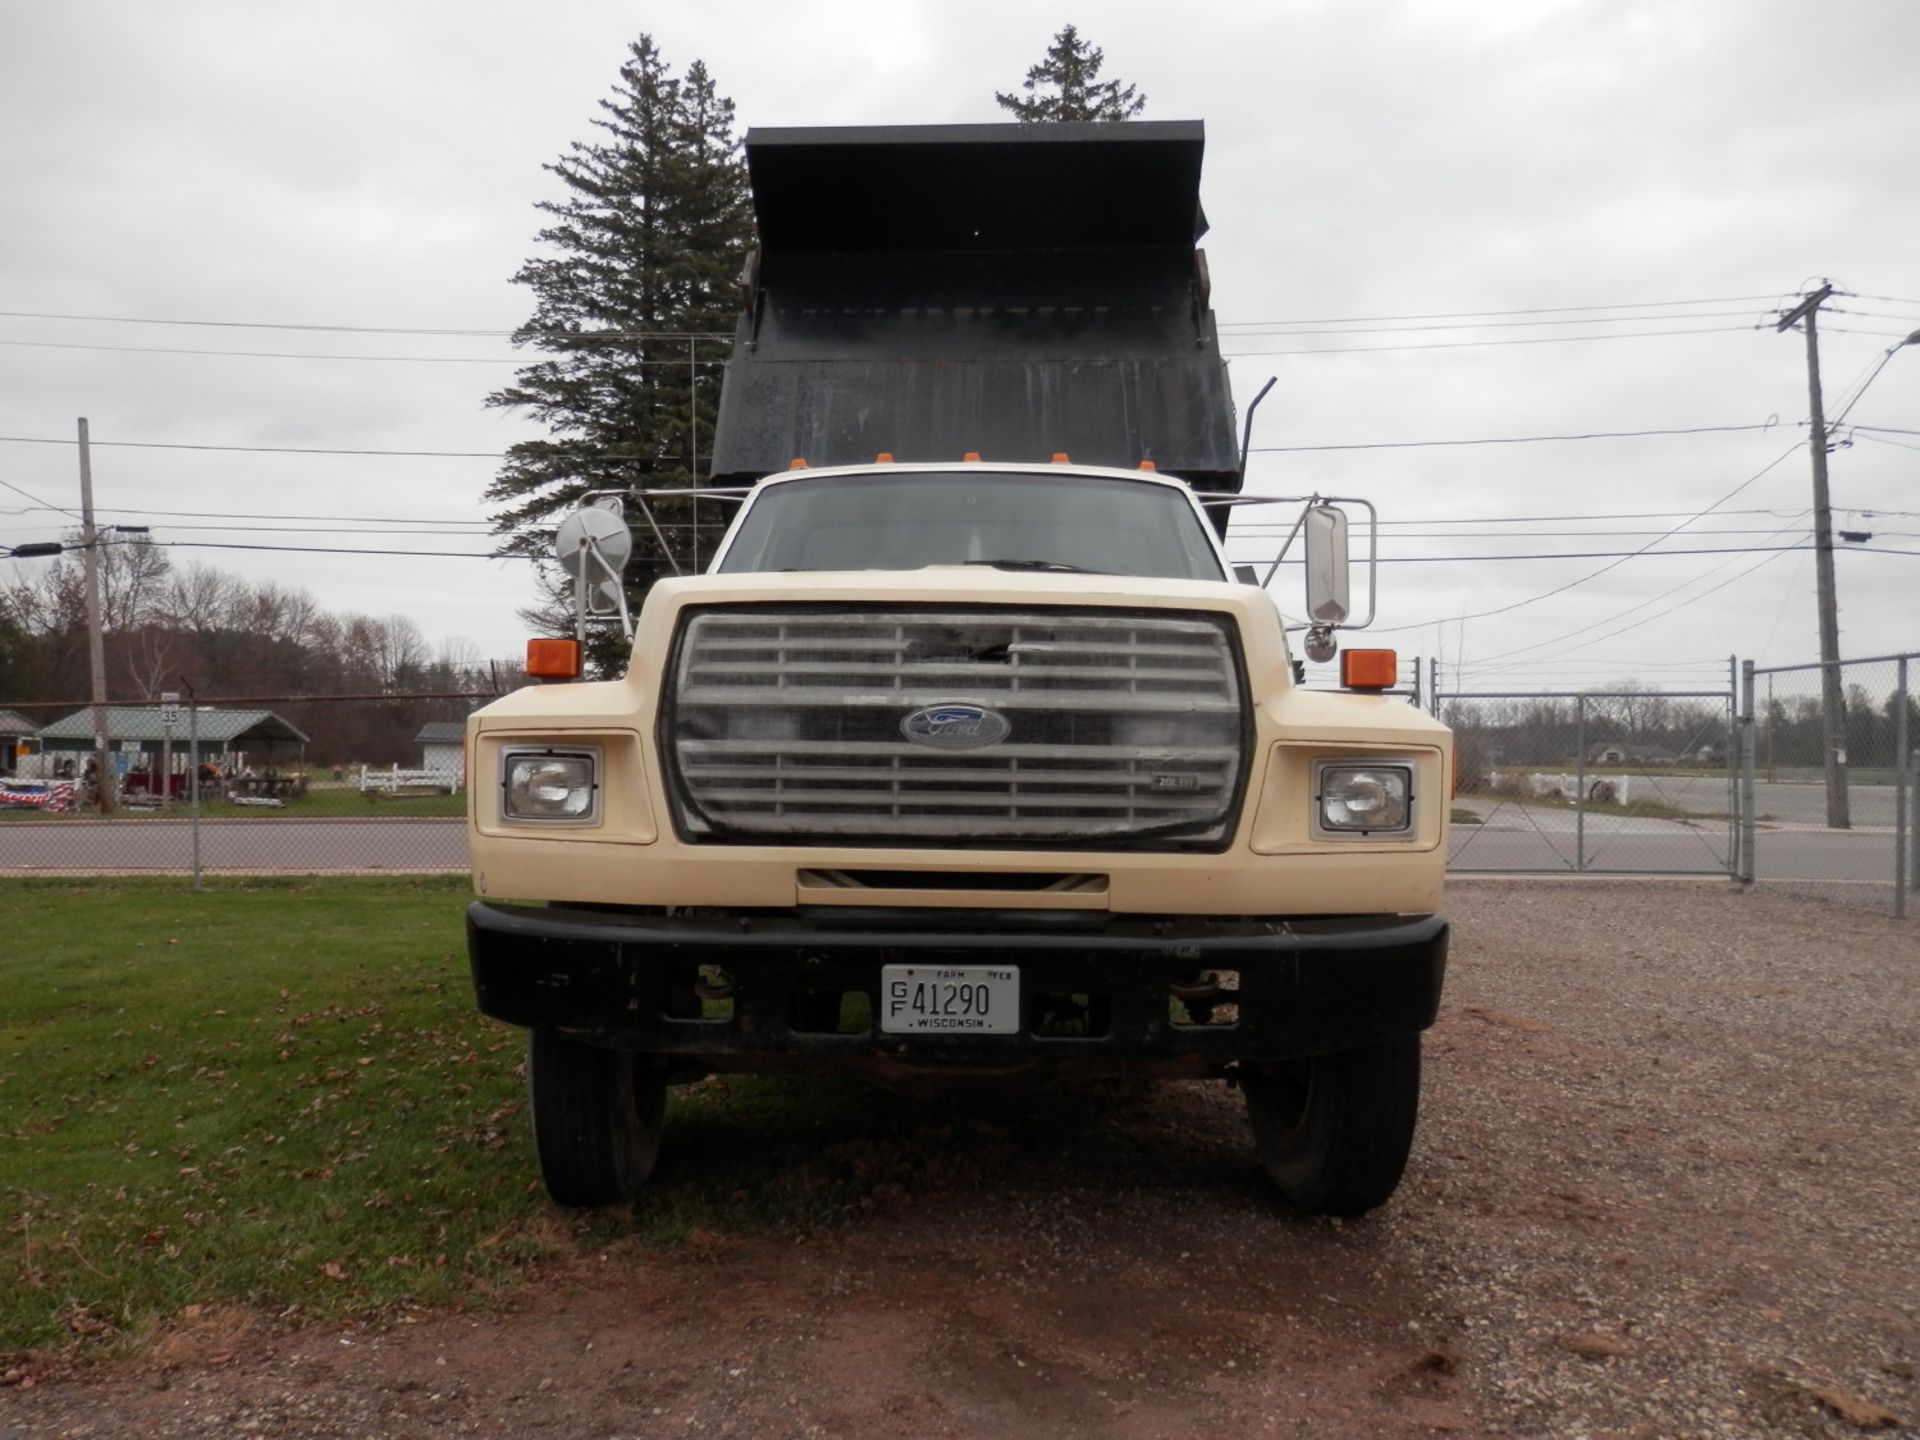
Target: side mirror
column 593, row 545
column 1326, row 538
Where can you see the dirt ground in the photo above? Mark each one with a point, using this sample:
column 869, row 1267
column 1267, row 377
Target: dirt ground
column 1665, row 1186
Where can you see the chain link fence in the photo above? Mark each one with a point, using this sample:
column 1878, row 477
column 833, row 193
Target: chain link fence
column 1829, row 778
column 257, row 785
column 1754, row 784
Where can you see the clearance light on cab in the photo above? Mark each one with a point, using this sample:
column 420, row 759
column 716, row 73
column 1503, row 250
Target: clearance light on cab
column 553, row 659
column 1369, row 669
column 550, row 786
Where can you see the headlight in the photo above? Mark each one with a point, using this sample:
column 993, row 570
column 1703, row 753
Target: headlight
column 556, row 786
column 1365, row 798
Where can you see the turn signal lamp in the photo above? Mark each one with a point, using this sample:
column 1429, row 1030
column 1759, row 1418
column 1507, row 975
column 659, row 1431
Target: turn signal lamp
column 1060, row 458
column 1149, row 465
column 1369, row 669
column 885, row 457
column 796, row 464
column 553, row 659
column 971, row 457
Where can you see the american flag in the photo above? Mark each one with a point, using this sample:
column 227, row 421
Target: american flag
column 55, row 799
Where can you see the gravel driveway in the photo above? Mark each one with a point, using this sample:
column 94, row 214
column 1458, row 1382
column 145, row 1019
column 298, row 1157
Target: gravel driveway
column 1665, row 1187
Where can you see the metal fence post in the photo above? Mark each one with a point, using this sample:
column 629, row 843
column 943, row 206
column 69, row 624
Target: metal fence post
column 1733, row 768
column 1748, row 780
column 1580, row 784
column 193, row 760
column 1900, row 796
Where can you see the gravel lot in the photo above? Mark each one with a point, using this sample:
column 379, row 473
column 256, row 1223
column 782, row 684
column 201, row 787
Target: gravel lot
column 1665, row 1187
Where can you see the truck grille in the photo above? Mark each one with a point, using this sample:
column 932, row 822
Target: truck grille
column 1043, row 728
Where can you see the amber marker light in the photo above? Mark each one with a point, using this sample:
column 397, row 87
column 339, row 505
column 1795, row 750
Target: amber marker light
column 1060, row 458
column 972, row 457
column 1369, row 669
column 553, row 659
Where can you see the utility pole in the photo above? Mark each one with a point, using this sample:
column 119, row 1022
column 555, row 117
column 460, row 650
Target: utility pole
column 96, row 649
column 1833, row 714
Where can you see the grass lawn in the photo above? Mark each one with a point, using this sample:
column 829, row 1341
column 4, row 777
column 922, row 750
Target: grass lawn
column 279, row 1094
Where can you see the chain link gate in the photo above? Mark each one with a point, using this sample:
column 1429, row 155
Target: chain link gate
column 1623, row 782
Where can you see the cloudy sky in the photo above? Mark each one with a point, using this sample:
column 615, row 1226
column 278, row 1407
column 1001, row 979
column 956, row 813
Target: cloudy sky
column 1432, row 221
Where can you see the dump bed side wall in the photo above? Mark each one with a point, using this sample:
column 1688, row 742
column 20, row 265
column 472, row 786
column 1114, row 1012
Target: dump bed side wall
column 1018, row 291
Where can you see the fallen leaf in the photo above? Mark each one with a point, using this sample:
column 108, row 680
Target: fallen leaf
column 1592, row 1345
column 1503, row 1019
column 1861, row 1414
column 333, row 1270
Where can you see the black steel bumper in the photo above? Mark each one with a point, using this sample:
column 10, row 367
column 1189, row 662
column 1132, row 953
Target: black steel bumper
column 633, row 981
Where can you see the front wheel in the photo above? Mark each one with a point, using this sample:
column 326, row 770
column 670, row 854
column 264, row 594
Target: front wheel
column 1334, row 1130
column 596, row 1119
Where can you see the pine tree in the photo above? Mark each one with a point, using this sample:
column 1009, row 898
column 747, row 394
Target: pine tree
column 1072, row 68
column 636, row 279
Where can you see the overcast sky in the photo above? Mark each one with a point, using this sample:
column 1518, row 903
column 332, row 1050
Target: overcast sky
column 376, row 165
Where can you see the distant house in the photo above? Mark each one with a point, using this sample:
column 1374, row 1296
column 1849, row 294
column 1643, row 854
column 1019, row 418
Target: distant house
column 14, row 728
column 443, row 745
column 138, row 734
column 1610, row 752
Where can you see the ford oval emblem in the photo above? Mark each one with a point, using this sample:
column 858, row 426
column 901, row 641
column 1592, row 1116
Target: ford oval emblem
column 955, row 727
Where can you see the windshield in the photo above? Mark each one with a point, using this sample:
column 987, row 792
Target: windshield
column 1029, row 521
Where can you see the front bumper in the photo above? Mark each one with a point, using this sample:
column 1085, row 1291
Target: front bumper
column 628, row 980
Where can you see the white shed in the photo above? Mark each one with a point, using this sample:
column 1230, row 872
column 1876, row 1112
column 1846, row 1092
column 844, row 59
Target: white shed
column 443, row 746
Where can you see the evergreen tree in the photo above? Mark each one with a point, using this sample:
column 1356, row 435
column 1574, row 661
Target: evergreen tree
column 1072, row 70
column 638, row 272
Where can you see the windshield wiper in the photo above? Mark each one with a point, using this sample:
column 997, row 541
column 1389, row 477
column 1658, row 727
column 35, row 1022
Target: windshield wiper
column 1037, row 565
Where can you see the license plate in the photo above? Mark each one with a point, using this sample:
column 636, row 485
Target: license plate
column 949, row 999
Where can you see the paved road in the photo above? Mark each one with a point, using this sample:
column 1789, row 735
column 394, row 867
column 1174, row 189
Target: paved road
column 1798, row 803
column 1534, row 837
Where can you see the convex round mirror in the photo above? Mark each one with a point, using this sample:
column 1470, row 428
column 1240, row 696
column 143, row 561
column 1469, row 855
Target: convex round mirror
column 606, row 530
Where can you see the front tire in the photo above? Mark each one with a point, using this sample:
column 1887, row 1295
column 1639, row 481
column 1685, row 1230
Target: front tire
column 596, row 1119
column 1334, row 1130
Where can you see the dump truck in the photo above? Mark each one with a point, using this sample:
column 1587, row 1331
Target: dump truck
column 970, row 757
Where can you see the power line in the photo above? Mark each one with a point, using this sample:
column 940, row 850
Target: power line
column 1543, row 310
column 1510, row 439
column 378, row 329
column 722, row 335
column 614, row 455
column 292, row 354
column 1471, row 344
column 1617, row 563
column 523, row 360
column 58, row 509
column 252, row 449
column 1883, row 299
column 1621, row 615
column 1767, row 559
column 1240, row 330
column 629, row 360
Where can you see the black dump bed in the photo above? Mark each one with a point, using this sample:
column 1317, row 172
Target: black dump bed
column 1015, row 290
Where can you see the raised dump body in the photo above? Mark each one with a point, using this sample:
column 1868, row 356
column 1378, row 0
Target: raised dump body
column 1014, row 291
